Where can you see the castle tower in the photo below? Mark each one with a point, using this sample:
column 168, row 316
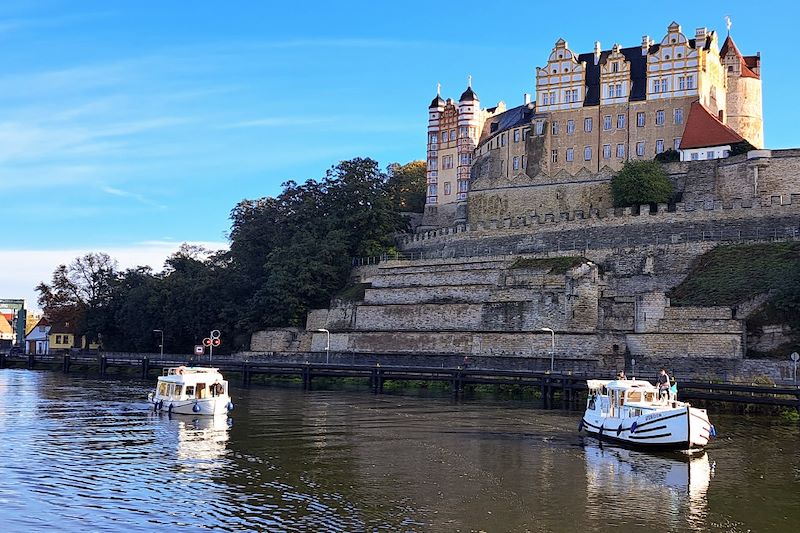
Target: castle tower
column 744, row 93
column 432, row 174
column 468, row 128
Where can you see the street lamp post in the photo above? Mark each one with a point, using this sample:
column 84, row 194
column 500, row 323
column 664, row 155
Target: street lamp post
column 162, row 343
column 327, row 343
column 552, row 346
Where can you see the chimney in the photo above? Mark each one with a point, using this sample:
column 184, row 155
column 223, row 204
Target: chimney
column 646, row 42
column 700, row 38
column 596, row 52
column 526, row 98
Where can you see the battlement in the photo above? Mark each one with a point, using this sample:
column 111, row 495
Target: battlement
column 702, row 211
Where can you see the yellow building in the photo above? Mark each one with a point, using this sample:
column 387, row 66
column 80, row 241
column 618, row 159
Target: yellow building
column 592, row 113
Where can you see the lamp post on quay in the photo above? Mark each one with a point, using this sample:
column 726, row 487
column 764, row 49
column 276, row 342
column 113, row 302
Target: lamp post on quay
column 161, row 346
column 552, row 346
column 327, row 343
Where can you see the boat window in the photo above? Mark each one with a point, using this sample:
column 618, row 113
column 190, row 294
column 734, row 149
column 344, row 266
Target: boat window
column 178, row 389
column 648, row 396
column 201, row 390
column 190, row 391
column 634, row 396
column 162, row 389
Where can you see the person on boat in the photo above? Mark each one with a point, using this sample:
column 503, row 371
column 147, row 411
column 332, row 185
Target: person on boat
column 621, row 375
column 663, row 384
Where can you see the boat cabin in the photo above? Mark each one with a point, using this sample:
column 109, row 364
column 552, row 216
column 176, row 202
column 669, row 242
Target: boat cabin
column 622, row 398
column 186, row 383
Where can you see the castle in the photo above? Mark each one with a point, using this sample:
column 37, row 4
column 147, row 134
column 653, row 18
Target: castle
column 593, row 112
column 520, row 239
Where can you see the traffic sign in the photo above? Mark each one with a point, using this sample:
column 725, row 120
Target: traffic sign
column 206, row 342
column 199, row 349
column 795, row 356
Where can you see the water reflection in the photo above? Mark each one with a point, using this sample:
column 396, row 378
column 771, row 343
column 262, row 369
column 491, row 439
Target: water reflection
column 680, row 481
column 199, row 439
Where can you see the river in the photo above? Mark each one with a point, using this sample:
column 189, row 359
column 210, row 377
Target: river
column 82, row 454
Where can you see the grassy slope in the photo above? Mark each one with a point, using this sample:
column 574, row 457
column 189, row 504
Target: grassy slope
column 729, row 275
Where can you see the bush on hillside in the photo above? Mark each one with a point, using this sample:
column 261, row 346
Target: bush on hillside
column 641, row 182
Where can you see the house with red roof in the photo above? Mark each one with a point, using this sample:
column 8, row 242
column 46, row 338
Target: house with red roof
column 706, row 137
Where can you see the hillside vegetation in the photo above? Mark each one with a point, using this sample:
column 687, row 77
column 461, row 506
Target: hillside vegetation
column 729, row 275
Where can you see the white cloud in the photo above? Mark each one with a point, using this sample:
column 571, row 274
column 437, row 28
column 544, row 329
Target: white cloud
column 24, row 269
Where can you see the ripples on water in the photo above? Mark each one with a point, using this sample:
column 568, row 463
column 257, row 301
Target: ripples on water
column 84, row 455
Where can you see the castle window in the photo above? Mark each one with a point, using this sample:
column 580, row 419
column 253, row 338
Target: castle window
column 676, row 143
column 432, row 190
column 503, row 139
column 516, row 163
column 433, row 163
column 463, row 186
column 523, row 161
column 545, row 98
column 606, row 122
column 640, row 148
column 447, row 188
column 466, row 159
column 524, row 134
column 587, row 153
column 554, row 156
column 463, row 132
column 587, row 124
column 730, row 68
column 570, row 154
column 640, row 119
column 710, row 154
column 666, row 56
column 552, row 97
column 620, row 121
column 615, row 66
column 620, row 151
column 539, row 128
column 606, row 151
column 452, row 135
column 656, row 86
column 554, row 128
column 695, row 156
column 516, row 136
column 570, row 127
column 619, row 90
column 434, row 138
column 679, row 116
column 681, row 83
column 664, row 85
column 659, row 146
column 660, row 117
column 690, row 82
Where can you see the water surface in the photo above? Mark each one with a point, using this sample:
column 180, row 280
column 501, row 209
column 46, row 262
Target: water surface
column 80, row 454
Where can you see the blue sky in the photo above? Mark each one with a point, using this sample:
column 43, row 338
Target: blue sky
column 130, row 126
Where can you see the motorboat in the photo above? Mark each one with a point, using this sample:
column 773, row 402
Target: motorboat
column 632, row 412
column 191, row 390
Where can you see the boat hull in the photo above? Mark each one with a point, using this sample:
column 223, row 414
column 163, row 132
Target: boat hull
column 218, row 405
column 682, row 428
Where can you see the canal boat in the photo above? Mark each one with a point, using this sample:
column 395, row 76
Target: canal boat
column 632, row 413
column 191, row 390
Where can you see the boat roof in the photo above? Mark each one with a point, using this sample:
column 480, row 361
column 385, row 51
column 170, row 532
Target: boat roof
column 178, row 373
column 618, row 384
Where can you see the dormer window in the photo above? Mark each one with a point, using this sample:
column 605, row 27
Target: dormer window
column 615, row 66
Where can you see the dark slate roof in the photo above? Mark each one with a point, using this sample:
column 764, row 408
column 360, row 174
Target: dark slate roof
column 468, row 95
column 437, row 102
column 517, row 116
column 638, row 73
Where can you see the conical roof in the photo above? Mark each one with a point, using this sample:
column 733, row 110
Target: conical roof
column 468, row 95
column 437, row 102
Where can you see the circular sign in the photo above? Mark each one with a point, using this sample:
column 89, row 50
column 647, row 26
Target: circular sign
column 795, row 356
column 215, row 334
column 206, row 342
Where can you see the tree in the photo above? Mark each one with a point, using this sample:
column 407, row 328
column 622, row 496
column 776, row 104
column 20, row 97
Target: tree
column 407, row 186
column 641, row 182
column 79, row 292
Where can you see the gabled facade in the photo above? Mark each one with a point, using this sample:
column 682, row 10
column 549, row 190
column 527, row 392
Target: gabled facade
column 37, row 341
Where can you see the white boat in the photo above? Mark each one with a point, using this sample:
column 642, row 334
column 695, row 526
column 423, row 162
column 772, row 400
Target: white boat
column 191, row 390
column 632, row 413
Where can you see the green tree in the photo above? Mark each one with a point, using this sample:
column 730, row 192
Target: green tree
column 79, row 293
column 407, row 186
column 641, row 182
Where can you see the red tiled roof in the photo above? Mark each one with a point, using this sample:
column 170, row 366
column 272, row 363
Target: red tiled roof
column 747, row 63
column 704, row 130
